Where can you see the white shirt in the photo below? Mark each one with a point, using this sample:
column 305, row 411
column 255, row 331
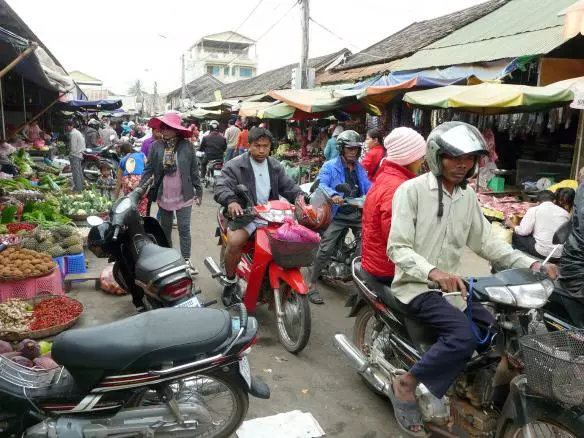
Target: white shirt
column 419, row 241
column 77, row 143
column 543, row 221
column 262, row 180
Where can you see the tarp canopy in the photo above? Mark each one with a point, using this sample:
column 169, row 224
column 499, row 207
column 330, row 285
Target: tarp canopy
column 90, row 105
column 251, row 109
column 202, row 114
column 489, row 98
column 322, row 100
column 218, row 104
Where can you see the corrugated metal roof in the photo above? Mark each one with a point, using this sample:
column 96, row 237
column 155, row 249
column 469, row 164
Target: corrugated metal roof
column 518, row 28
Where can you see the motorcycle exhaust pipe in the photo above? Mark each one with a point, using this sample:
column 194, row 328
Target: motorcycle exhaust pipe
column 213, row 267
column 360, row 362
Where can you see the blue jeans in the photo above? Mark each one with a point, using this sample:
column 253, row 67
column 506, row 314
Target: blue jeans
column 229, row 154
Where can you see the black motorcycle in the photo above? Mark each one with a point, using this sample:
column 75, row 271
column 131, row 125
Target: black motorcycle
column 94, row 159
column 539, row 391
column 144, row 259
column 165, row 373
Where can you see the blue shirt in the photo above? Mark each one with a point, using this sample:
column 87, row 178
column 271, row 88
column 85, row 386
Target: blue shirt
column 331, row 150
column 133, row 164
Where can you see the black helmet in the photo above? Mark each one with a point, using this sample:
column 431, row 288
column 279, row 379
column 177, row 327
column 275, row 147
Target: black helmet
column 455, row 139
column 97, row 239
column 213, row 125
column 349, row 139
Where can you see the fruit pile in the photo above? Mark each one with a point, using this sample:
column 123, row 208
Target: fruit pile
column 19, row 316
column 19, row 262
column 57, row 242
column 29, row 353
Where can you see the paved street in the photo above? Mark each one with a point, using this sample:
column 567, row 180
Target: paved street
column 318, row 380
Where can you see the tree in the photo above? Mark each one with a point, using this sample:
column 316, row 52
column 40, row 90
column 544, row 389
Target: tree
column 136, row 89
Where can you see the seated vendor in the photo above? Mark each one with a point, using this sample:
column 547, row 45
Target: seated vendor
column 534, row 235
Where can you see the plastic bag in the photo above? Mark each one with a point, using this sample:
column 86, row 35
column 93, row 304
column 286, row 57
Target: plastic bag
column 291, row 231
column 108, row 283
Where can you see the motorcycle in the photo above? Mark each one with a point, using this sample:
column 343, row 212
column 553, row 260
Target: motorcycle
column 338, row 270
column 143, row 258
column 94, row 159
column 518, row 355
column 168, row 373
column 212, row 170
column 269, row 271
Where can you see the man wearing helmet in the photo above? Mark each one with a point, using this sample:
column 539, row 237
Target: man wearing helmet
column 344, row 169
column 213, row 145
column 434, row 217
column 267, row 181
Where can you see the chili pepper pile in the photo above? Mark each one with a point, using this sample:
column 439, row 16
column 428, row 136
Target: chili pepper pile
column 54, row 311
column 15, row 227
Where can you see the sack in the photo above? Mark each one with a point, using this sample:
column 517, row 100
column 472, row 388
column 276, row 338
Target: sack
column 108, row 283
column 291, row 231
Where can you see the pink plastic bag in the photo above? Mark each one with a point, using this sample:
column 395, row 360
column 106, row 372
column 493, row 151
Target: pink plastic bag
column 291, row 231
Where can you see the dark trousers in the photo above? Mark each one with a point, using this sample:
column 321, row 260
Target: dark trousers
column 336, row 230
column 527, row 244
column 443, row 362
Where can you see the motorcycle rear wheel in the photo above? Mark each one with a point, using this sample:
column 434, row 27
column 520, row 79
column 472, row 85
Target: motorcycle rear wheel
column 295, row 330
column 91, row 166
column 362, row 336
column 217, row 427
column 541, row 428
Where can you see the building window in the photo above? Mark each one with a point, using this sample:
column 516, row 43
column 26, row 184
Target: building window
column 226, row 71
column 214, row 70
column 245, row 72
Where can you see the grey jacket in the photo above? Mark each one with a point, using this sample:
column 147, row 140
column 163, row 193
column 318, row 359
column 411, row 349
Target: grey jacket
column 239, row 171
column 187, row 164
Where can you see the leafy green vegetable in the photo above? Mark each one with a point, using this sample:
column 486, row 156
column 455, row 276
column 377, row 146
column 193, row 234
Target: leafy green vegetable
column 8, row 214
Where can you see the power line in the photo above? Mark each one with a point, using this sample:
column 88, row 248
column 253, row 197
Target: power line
column 333, row 33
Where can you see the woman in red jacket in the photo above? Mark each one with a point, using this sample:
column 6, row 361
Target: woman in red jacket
column 406, row 150
column 375, row 153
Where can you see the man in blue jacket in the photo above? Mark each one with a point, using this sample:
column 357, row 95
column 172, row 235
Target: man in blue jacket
column 343, row 169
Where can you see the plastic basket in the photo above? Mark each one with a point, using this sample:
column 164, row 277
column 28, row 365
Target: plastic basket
column 554, row 365
column 30, row 288
column 292, row 254
column 28, row 377
column 60, row 261
column 75, row 264
column 497, row 184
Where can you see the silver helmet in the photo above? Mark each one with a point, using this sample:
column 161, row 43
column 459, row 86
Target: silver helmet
column 455, row 139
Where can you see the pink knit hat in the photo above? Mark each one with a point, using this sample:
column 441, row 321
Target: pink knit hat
column 404, row 146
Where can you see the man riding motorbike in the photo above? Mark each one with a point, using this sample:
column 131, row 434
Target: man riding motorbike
column 343, row 169
column 434, row 217
column 267, row 181
column 213, row 145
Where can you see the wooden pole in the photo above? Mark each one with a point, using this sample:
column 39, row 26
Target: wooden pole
column 18, row 59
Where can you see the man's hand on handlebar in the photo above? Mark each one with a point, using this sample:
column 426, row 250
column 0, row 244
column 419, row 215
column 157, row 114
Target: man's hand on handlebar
column 448, row 282
column 234, row 209
column 549, row 269
column 337, row 199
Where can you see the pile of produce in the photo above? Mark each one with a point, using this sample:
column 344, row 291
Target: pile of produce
column 50, row 183
column 507, row 206
column 83, row 204
column 17, row 315
column 56, row 242
column 23, row 162
column 21, row 262
column 30, row 354
column 46, row 214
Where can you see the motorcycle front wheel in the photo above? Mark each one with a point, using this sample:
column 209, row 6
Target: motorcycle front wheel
column 221, row 395
column 542, row 428
column 294, row 330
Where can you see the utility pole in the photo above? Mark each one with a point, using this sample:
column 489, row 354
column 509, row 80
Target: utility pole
column 155, row 99
column 182, row 79
column 304, row 21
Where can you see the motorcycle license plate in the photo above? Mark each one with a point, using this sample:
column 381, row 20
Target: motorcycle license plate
column 191, row 302
column 245, row 371
column 216, row 172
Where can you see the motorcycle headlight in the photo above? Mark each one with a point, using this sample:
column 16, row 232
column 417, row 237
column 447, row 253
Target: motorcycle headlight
column 530, row 296
column 276, row 216
column 501, row 294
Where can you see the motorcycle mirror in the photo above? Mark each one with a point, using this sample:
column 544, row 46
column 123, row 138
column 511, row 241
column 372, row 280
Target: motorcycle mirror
column 314, row 186
column 344, row 188
column 94, row 221
column 562, row 233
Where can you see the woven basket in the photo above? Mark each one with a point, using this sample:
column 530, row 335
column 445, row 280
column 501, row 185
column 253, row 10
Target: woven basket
column 28, row 276
column 45, row 333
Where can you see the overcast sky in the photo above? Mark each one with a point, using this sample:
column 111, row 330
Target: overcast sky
column 119, row 41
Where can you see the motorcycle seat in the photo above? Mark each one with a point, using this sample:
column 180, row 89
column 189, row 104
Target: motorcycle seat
column 144, row 341
column 154, row 259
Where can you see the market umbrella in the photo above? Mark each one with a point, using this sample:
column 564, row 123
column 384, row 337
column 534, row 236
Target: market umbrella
column 90, row 105
column 252, row 109
column 316, row 100
column 491, row 98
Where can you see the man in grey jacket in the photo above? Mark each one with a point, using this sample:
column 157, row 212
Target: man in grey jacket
column 266, row 180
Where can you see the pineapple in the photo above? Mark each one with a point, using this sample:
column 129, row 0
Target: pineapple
column 75, row 249
column 44, row 246
column 71, row 241
column 55, row 251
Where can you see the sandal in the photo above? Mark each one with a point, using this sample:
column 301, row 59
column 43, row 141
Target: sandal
column 314, row 297
column 407, row 414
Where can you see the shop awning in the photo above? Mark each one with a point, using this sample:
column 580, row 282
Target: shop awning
column 90, row 105
column 319, row 101
column 202, row 114
column 488, row 98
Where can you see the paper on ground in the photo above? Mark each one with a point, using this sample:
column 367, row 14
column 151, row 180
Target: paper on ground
column 294, row 424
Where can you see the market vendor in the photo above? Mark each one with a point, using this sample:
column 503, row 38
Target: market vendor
column 374, row 154
column 32, row 132
column 534, row 235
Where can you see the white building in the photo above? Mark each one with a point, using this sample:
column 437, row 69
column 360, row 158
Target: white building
column 228, row 56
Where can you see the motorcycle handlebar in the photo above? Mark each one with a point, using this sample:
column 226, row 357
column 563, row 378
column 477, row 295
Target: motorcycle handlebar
column 243, row 316
column 116, row 233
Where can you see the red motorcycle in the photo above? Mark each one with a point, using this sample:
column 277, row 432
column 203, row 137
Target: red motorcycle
column 269, row 271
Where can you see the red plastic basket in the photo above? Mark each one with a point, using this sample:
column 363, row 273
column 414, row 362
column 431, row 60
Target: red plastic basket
column 31, row 287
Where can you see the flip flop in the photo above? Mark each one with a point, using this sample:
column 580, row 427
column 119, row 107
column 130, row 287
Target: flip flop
column 407, row 414
column 314, row 297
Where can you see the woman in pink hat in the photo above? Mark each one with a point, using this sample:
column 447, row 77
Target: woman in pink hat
column 406, row 150
column 173, row 163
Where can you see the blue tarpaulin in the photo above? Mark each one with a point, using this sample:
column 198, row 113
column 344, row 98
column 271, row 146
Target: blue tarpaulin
column 95, row 105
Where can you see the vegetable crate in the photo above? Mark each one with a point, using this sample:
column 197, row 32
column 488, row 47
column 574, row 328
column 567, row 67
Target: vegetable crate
column 29, row 288
column 75, row 264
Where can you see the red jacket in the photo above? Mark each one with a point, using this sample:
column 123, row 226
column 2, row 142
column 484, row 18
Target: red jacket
column 377, row 218
column 371, row 161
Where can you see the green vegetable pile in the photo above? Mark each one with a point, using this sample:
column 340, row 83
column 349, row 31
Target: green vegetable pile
column 87, row 203
column 23, row 162
column 46, row 214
